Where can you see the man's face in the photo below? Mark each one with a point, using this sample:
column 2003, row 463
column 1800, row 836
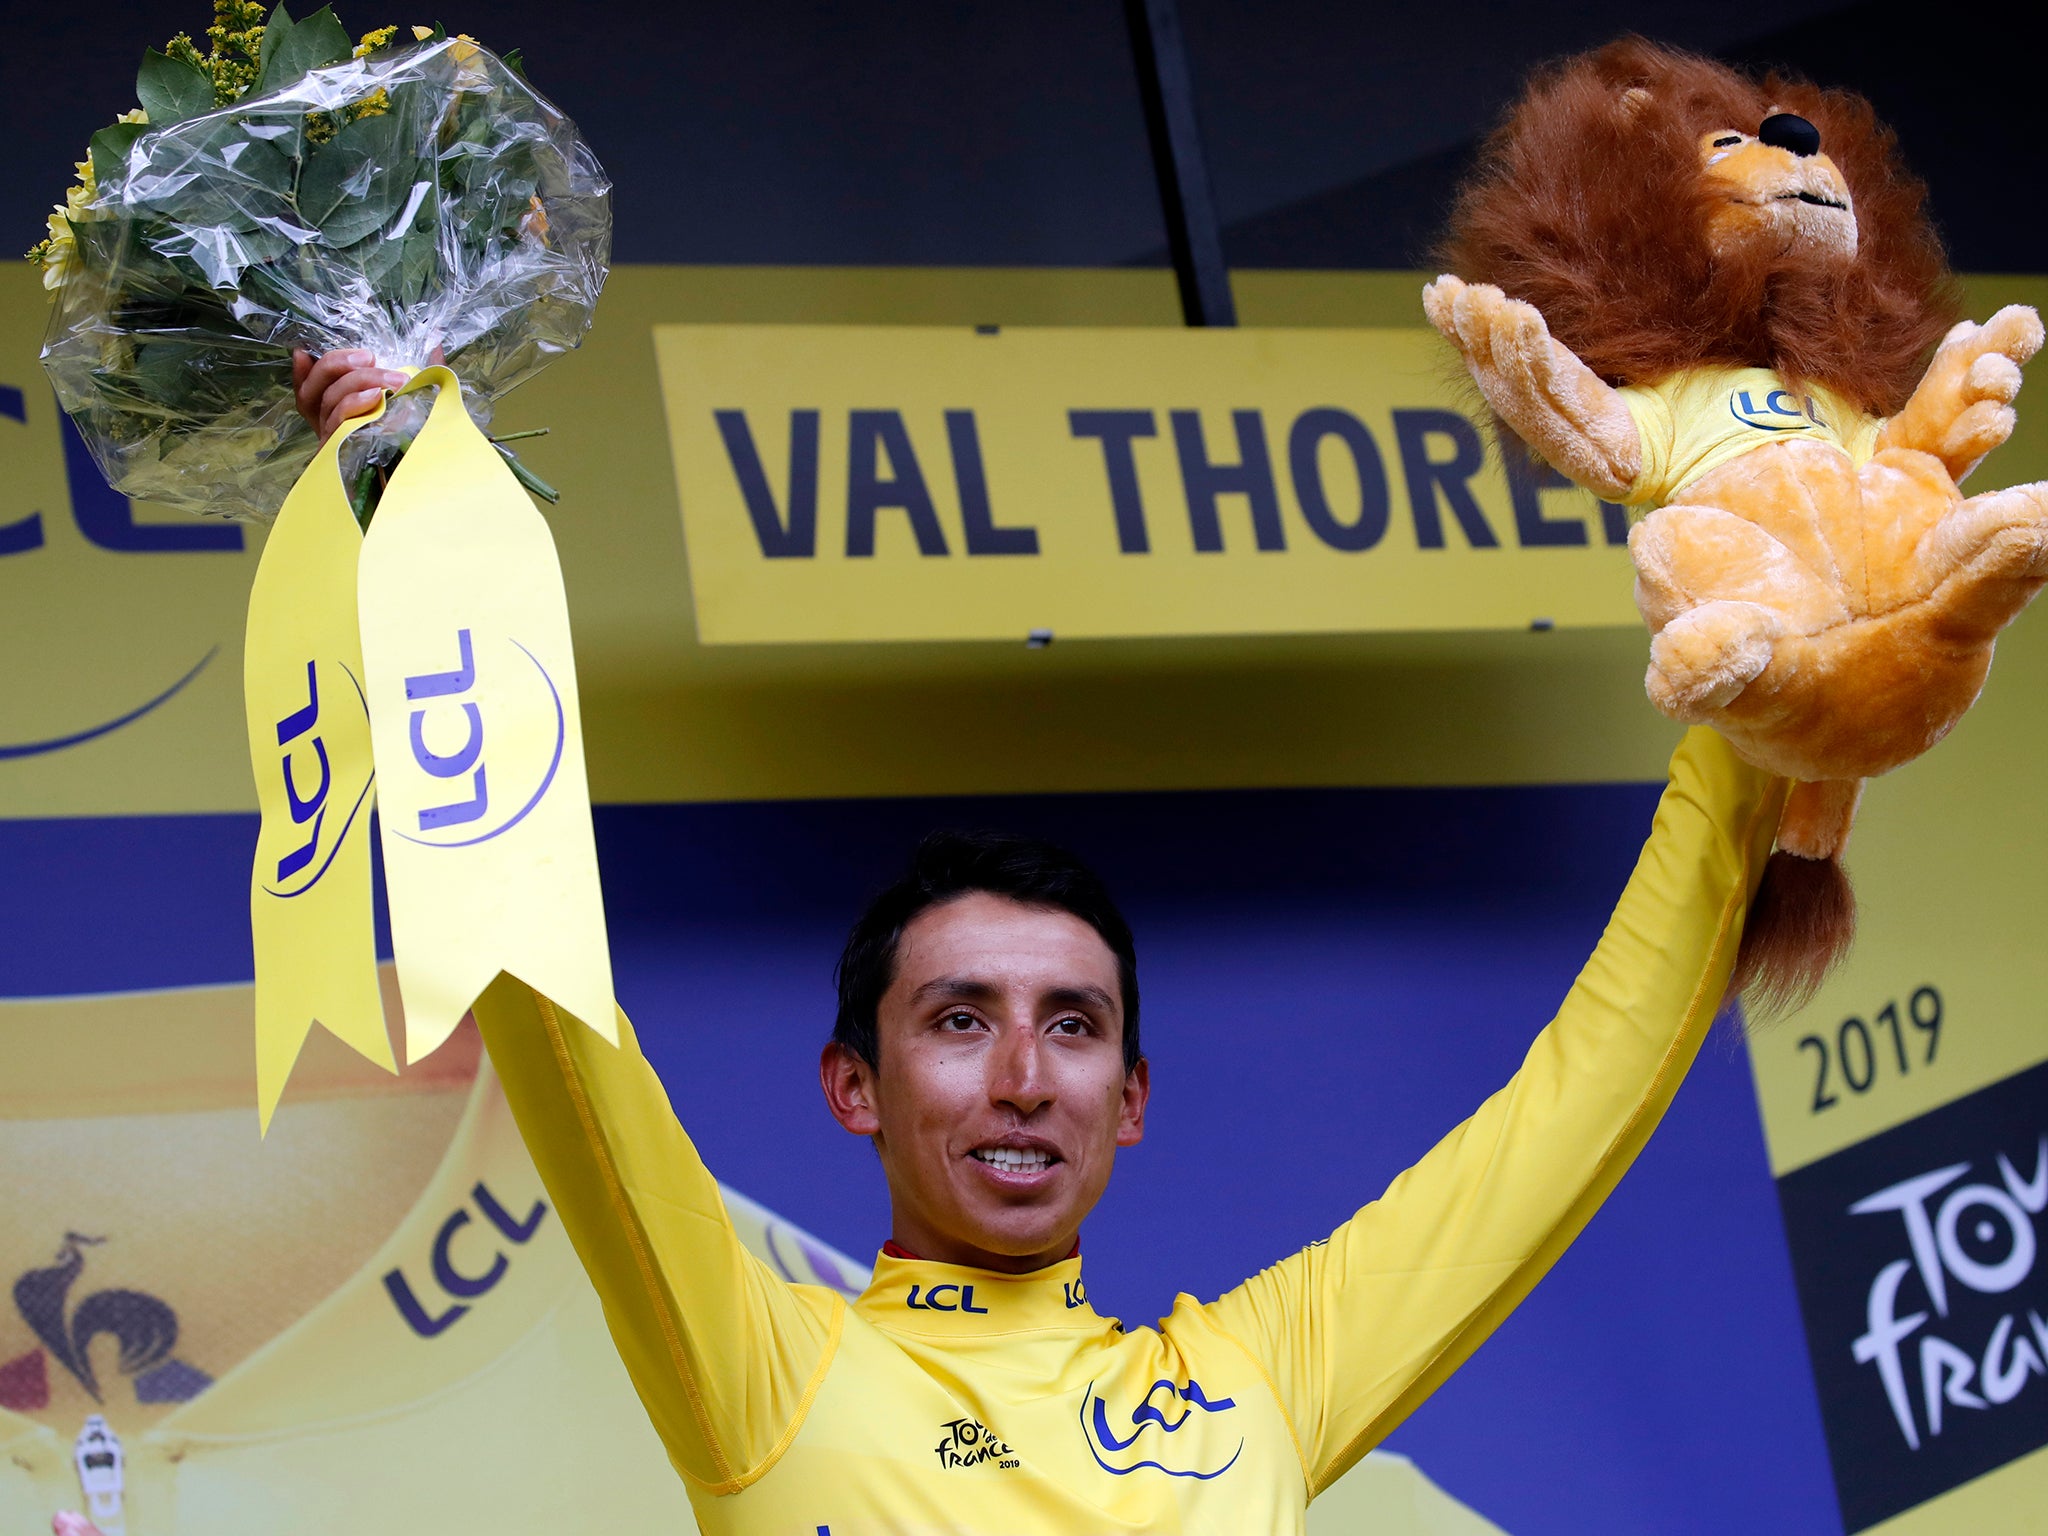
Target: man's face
column 1001, row 1096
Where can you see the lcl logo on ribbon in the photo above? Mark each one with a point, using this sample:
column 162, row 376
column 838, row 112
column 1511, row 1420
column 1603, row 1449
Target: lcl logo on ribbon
column 300, row 734
column 454, row 697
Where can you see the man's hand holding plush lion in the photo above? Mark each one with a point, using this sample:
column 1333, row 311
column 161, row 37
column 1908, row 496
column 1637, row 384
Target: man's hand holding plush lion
column 1682, row 303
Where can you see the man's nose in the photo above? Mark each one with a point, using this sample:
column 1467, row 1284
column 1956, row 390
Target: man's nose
column 1020, row 1078
column 1784, row 130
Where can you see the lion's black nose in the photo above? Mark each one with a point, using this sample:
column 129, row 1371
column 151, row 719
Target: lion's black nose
column 1782, row 130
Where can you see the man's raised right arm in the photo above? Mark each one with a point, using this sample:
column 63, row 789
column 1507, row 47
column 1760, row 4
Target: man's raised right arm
column 724, row 1354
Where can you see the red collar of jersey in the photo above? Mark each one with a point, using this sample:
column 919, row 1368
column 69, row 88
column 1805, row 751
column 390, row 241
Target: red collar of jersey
column 896, row 1250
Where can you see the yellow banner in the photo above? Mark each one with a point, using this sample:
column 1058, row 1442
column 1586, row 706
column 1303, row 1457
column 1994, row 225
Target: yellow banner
column 1906, row 1113
column 489, row 855
column 309, row 744
column 910, row 483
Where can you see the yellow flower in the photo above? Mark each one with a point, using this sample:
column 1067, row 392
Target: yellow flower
column 534, row 221
column 135, row 115
column 60, row 252
column 421, row 34
column 78, row 201
column 465, row 48
column 372, row 41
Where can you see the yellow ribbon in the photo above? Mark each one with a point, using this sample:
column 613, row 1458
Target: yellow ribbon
column 450, row 615
column 309, row 744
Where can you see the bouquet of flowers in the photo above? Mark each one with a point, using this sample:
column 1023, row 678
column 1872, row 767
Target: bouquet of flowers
column 291, row 188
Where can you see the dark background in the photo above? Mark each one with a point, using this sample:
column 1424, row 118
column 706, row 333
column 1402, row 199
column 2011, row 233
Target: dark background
column 917, row 132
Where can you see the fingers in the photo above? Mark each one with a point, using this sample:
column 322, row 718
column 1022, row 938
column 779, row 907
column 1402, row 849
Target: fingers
column 1958, row 333
column 1975, row 432
column 2014, row 331
column 319, row 375
column 354, row 393
column 2014, row 520
column 1703, row 659
column 1437, row 299
column 339, row 385
column 69, row 1523
column 1992, row 556
column 1519, row 332
column 1472, row 314
column 1994, row 376
column 1488, row 327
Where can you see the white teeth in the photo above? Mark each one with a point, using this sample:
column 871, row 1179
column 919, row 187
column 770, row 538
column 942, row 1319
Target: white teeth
column 1014, row 1159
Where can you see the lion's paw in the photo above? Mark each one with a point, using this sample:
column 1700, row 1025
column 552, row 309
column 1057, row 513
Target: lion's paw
column 1705, row 657
column 1962, row 408
column 1498, row 335
column 1439, row 300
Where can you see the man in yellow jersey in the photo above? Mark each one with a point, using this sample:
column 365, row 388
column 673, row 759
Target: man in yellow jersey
column 987, row 1045
column 191, row 1346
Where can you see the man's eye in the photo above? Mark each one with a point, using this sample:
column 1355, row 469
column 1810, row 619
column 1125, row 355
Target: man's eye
column 958, row 1021
column 1070, row 1026
column 1724, row 142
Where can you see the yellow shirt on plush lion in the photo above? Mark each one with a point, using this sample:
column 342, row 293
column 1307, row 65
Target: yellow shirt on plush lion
column 1716, row 298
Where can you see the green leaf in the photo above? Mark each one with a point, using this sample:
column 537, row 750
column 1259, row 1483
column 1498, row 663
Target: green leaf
column 421, row 262
column 213, row 173
column 172, row 90
column 515, row 61
column 275, row 30
column 299, row 48
column 356, row 183
column 110, row 148
column 266, row 168
column 99, row 242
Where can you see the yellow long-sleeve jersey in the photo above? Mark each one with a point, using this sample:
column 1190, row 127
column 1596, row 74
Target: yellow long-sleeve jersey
column 959, row 1400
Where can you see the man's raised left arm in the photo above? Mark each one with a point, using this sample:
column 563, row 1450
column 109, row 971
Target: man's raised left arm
column 1356, row 1332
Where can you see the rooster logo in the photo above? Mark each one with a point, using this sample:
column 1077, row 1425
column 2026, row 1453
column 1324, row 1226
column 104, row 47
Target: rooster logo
column 144, row 1326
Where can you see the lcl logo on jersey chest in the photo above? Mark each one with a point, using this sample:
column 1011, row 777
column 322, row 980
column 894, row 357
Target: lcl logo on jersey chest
column 943, row 1298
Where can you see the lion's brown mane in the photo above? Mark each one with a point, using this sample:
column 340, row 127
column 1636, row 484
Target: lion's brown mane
column 1588, row 203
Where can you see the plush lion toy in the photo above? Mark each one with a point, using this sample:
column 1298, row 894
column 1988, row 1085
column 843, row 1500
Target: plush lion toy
column 1717, row 298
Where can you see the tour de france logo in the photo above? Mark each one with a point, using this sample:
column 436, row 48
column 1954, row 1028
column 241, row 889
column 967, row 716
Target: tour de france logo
column 315, row 742
column 971, row 1443
column 487, row 731
column 1170, row 1430
column 1917, row 1255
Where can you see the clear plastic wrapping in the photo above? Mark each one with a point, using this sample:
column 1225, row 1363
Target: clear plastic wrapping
column 416, row 200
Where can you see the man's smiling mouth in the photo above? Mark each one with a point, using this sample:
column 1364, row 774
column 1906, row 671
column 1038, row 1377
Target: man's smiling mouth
column 1016, row 1159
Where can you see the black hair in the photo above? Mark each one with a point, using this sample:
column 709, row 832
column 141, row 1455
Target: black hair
column 946, row 865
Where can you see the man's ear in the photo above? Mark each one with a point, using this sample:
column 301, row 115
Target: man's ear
column 1130, row 1121
column 849, row 1085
